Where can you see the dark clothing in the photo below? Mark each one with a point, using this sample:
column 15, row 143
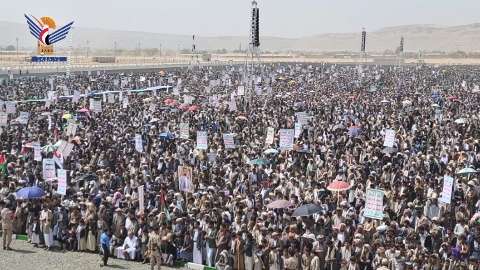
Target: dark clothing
column 106, row 254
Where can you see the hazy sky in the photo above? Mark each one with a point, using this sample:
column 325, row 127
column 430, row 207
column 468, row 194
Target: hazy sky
column 232, row 17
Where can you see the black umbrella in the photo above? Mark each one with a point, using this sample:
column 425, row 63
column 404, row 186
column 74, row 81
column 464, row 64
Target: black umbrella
column 41, row 118
column 122, row 114
column 15, row 123
column 389, row 150
column 307, row 210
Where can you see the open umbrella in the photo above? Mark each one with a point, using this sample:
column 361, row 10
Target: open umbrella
column 168, row 101
column 452, row 97
column 166, row 135
column 30, row 193
column 41, row 118
column 48, row 148
column 435, row 96
column 258, row 161
column 241, row 117
column 67, row 116
column 354, row 132
column 353, row 127
column 338, row 126
column 338, row 186
column 435, row 105
column 389, row 150
column 193, row 108
column 307, row 210
column 460, row 121
column 279, row 204
column 271, row 151
column 15, row 124
column 84, row 110
column 183, row 107
column 465, row 171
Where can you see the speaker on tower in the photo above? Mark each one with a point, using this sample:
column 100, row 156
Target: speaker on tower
column 401, row 44
column 364, row 38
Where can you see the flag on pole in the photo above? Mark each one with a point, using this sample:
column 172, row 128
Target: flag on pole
column 23, row 152
column 164, row 208
column 3, row 169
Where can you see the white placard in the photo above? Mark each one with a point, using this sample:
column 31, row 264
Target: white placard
column 241, row 90
column 447, row 189
column 184, row 130
column 202, row 140
column 286, row 138
column 270, row 135
column 298, row 130
column 10, row 108
column 302, row 118
column 23, row 118
column 62, row 182
column 37, row 151
column 373, row 204
column 138, row 143
column 228, row 141
column 48, row 168
column 389, row 138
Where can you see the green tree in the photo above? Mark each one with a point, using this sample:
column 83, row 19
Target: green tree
column 10, row 48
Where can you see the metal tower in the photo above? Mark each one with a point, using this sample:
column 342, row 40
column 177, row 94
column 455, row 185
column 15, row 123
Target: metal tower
column 362, row 60
column 192, row 54
column 69, row 59
column 252, row 57
column 400, row 59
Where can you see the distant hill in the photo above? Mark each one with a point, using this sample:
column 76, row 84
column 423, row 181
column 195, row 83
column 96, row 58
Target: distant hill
column 417, row 37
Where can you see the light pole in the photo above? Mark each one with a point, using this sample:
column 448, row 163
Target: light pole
column 160, row 52
column 115, row 51
column 138, row 50
column 87, row 49
column 17, row 49
column 178, row 48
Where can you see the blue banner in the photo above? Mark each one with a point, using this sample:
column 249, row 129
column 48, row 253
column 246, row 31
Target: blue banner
column 49, row 59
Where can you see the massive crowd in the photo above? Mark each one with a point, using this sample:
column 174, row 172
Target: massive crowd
column 235, row 207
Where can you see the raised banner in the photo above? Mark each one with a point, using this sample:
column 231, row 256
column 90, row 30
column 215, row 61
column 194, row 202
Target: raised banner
column 298, row 129
column 447, row 189
column 373, row 204
column 62, row 182
column 228, row 141
column 138, row 143
column 302, row 118
column 270, row 135
column 48, row 168
column 184, row 131
column 389, row 138
column 286, row 138
column 202, row 140
column 37, row 151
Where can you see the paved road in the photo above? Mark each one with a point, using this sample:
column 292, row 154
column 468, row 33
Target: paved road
column 26, row 257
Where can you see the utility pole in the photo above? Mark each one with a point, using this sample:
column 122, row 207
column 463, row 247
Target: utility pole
column 115, row 51
column 87, row 49
column 138, row 50
column 17, row 49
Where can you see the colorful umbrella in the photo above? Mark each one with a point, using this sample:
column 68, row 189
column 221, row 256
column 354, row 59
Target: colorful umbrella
column 193, row 108
column 338, row 186
column 67, row 116
column 30, row 193
column 258, row 161
column 279, row 204
column 168, row 101
column 84, row 110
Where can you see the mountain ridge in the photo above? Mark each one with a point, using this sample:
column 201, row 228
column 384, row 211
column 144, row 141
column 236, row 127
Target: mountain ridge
column 427, row 37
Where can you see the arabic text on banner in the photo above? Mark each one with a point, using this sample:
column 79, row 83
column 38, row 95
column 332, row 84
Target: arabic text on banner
column 302, row 118
column 286, row 138
column 270, row 135
column 374, row 204
column 37, row 154
column 228, row 141
column 389, row 138
column 48, row 168
column 138, row 143
column 202, row 140
column 184, row 130
column 298, row 129
column 447, row 189
column 62, row 182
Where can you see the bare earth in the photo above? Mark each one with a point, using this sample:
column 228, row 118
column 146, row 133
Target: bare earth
column 26, row 257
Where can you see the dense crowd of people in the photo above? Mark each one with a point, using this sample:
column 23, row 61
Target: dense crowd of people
column 127, row 202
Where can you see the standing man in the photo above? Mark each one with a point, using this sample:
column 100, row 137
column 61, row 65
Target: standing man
column 7, row 226
column 105, row 242
column 210, row 243
column 154, row 247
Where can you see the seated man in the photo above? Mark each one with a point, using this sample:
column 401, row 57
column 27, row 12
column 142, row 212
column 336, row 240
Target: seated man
column 129, row 247
column 169, row 252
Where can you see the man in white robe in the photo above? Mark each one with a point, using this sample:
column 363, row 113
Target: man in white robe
column 129, row 247
column 197, row 243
